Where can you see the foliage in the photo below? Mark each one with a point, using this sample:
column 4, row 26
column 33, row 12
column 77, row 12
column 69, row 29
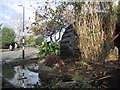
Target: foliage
column 94, row 29
column 9, row 73
column 53, row 61
column 8, row 36
column 54, row 83
column 118, row 12
column 53, row 21
column 1, row 25
column 39, row 40
column 84, row 64
column 30, row 41
column 36, row 29
column 83, row 82
column 113, row 55
column 49, row 48
column 95, row 24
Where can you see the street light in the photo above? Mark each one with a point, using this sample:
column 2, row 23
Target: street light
column 23, row 39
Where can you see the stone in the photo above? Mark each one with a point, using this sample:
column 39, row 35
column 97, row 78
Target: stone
column 46, row 73
column 70, row 84
column 33, row 70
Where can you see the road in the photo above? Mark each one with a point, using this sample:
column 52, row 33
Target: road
column 12, row 55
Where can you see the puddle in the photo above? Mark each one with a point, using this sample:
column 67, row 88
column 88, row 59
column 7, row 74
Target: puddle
column 21, row 76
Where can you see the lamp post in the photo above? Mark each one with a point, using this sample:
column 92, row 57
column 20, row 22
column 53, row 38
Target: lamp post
column 23, row 39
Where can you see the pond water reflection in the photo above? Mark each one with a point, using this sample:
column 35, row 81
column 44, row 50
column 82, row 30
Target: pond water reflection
column 22, row 77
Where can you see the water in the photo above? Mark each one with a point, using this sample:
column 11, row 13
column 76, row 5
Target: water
column 21, row 76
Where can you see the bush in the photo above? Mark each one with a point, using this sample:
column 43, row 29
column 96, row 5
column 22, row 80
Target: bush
column 7, row 36
column 49, row 48
column 39, row 40
column 30, row 41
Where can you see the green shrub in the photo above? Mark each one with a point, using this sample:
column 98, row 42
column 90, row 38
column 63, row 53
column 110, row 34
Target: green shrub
column 7, row 36
column 49, row 48
column 39, row 40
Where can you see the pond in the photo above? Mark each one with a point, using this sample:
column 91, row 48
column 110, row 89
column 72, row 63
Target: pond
column 25, row 76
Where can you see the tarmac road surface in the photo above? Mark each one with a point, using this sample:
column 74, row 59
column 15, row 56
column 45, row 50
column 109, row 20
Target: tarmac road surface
column 12, row 55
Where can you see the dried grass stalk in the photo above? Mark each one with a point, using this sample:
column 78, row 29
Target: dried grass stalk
column 95, row 30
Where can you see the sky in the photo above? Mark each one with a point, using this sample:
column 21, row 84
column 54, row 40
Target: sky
column 11, row 13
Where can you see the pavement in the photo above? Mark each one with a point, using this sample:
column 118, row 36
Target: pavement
column 4, row 50
column 8, row 56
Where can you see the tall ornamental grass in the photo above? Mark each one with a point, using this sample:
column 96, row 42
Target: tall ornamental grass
column 95, row 28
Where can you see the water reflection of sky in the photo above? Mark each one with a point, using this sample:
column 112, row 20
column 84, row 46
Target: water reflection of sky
column 31, row 78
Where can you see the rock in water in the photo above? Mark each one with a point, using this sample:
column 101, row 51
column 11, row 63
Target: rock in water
column 46, row 73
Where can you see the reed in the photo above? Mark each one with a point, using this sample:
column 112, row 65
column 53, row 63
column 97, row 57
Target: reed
column 95, row 31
